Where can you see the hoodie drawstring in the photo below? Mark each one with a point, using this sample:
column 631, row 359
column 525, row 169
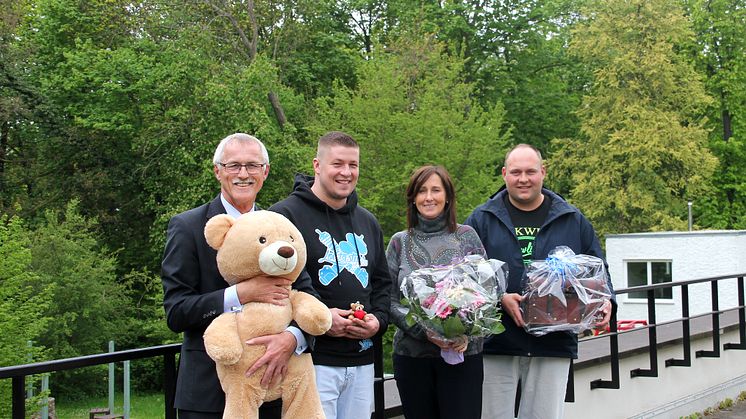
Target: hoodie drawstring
column 336, row 259
column 354, row 239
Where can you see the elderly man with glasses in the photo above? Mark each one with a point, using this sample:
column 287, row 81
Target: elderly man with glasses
column 195, row 293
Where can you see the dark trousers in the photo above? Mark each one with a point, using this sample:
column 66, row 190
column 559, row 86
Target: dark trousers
column 430, row 388
column 269, row 410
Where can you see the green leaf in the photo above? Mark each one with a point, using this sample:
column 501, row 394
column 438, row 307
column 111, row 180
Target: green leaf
column 410, row 319
column 453, row 327
column 497, row 328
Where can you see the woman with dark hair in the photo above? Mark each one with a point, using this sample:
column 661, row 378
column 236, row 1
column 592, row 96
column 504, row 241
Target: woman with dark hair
column 429, row 387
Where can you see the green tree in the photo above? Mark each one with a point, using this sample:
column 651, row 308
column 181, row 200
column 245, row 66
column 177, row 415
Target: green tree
column 411, row 107
column 720, row 54
column 84, row 68
column 88, row 306
column 309, row 41
column 643, row 151
column 515, row 54
column 195, row 102
column 519, row 57
column 142, row 110
column 22, row 109
column 23, row 303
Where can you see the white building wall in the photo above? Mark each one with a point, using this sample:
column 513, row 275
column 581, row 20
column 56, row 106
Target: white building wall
column 695, row 254
column 676, row 392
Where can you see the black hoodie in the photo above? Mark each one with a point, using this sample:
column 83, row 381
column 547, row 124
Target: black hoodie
column 347, row 263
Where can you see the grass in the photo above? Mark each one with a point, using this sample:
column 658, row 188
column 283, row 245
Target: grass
column 741, row 396
column 723, row 405
column 142, row 406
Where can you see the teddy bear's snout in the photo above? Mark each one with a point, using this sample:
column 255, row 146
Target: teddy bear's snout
column 286, row 252
column 279, row 258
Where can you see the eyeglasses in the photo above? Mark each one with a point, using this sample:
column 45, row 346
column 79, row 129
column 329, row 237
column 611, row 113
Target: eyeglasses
column 251, row 168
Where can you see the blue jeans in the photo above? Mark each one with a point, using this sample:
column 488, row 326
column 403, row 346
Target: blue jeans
column 345, row 392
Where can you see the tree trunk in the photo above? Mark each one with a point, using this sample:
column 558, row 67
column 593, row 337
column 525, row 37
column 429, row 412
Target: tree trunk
column 249, row 44
column 254, row 29
column 727, row 127
column 4, row 131
column 277, row 107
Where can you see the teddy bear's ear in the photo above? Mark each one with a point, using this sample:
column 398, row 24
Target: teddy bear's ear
column 216, row 229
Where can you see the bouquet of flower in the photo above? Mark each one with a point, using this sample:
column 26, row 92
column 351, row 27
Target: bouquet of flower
column 457, row 300
column 565, row 292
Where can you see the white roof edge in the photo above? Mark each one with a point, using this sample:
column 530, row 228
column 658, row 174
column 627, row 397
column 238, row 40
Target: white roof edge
column 678, row 233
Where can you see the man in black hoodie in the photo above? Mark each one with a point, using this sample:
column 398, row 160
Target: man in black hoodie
column 347, row 264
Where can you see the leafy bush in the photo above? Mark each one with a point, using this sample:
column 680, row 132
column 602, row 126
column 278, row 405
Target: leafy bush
column 22, row 310
column 88, row 305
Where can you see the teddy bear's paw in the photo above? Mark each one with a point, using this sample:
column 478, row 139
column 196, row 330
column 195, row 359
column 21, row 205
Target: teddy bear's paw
column 311, row 315
column 315, row 326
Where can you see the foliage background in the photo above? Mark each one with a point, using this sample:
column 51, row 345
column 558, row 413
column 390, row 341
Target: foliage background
column 110, row 111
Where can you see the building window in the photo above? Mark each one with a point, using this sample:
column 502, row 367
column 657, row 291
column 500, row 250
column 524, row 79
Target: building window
column 649, row 273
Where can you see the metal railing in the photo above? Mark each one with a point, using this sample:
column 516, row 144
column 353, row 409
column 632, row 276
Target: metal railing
column 685, row 320
column 19, row 373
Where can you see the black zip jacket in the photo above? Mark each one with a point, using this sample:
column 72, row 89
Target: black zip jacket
column 565, row 226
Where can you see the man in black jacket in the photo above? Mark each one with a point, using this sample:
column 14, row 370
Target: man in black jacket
column 347, row 264
column 523, row 222
column 195, row 293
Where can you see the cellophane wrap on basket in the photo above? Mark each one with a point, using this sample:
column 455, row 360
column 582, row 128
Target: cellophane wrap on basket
column 564, row 292
column 457, row 299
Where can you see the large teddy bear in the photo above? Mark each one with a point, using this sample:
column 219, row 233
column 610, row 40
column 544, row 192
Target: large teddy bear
column 262, row 243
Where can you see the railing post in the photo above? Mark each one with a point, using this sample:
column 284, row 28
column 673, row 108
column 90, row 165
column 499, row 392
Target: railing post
column 111, row 379
column 126, row 390
column 45, row 399
column 715, row 352
column 614, row 361
column 378, row 399
column 19, row 399
column 686, row 332
column 169, row 384
column 652, row 342
column 741, row 319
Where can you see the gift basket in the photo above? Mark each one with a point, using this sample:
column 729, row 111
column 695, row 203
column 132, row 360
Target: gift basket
column 456, row 300
column 564, row 292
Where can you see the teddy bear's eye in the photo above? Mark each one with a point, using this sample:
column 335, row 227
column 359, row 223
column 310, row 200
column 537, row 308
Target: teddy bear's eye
column 262, row 240
column 292, row 239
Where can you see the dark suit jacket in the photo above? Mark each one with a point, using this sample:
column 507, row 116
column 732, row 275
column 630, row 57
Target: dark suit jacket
column 192, row 298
